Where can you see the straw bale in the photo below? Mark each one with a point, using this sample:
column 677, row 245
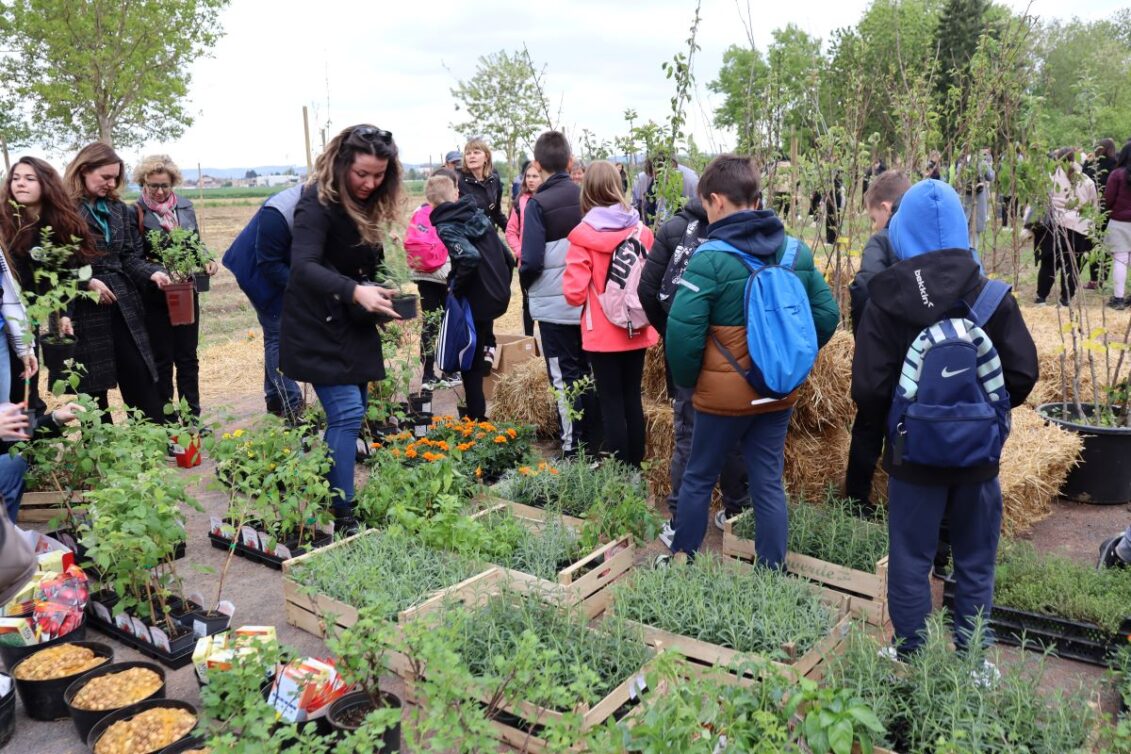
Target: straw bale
column 654, row 386
column 659, row 445
column 1034, row 466
column 523, row 396
column 815, row 460
column 825, row 400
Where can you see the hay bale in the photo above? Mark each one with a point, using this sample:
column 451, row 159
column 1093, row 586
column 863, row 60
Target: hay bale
column 654, row 386
column 659, row 445
column 523, row 396
column 1034, row 466
column 815, row 460
column 825, row 400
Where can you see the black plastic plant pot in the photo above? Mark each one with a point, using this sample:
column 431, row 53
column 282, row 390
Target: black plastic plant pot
column 462, row 412
column 421, row 403
column 203, row 281
column 348, row 713
column 7, row 715
column 12, row 655
column 125, row 713
column 56, row 352
column 43, row 700
column 1103, row 476
column 85, row 719
column 420, row 424
column 212, row 622
column 186, row 744
column 405, row 305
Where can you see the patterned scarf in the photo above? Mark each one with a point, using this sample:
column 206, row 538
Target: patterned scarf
column 166, row 211
column 100, row 210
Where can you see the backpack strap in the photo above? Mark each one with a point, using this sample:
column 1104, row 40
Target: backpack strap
column 990, row 297
column 140, row 220
column 789, row 256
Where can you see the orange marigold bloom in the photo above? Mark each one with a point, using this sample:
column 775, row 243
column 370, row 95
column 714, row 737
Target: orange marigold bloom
column 396, row 453
column 478, row 472
column 553, row 471
column 524, row 470
column 487, row 426
column 500, row 439
column 465, row 446
column 375, row 445
column 513, row 434
column 442, row 445
column 410, row 452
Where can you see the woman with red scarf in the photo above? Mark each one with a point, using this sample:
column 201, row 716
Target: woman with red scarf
column 160, row 208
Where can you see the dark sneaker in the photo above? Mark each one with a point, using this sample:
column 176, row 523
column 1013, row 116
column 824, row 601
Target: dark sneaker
column 667, row 534
column 1040, row 301
column 662, row 561
column 1119, row 304
column 1109, row 558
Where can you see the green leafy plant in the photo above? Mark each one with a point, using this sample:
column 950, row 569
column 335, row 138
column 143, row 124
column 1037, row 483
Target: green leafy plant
column 747, row 609
column 1120, row 663
column 571, row 487
column 410, row 495
column 59, row 283
column 829, row 531
column 1054, row 585
column 181, row 252
column 361, row 657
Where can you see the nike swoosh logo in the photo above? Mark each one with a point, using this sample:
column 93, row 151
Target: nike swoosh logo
column 947, row 373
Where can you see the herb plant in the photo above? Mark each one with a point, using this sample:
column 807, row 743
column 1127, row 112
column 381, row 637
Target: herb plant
column 572, row 487
column 747, row 609
column 830, row 532
column 180, row 251
column 1121, row 673
column 1054, row 585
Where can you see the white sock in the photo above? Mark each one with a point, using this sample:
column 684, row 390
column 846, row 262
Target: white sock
column 1119, row 273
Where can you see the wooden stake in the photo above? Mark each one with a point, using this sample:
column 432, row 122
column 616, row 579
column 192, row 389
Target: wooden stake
column 306, row 133
column 200, row 181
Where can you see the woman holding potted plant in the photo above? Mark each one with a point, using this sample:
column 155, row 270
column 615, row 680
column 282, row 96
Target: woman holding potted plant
column 113, row 345
column 331, row 308
column 160, row 209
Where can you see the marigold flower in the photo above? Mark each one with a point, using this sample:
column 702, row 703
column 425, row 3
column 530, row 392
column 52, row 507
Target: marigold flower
column 442, row 445
column 553, row 471
column 375, row 445
column 227, row 436
column 410, row 452
column 487, row 426
column 513, row 434
column 238, row 433
column 396, row 453
column 478, row 472
column 524, row 470
column 500, row 439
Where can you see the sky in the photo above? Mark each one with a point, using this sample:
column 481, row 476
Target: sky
column 393, row 64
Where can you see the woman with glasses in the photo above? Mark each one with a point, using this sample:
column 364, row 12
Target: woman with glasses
column 332, row 307
column 479, row 180
column 113, row 345
column 160, row 208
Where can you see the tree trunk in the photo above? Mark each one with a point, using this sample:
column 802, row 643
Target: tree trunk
column 4, row 151
column 105, row 130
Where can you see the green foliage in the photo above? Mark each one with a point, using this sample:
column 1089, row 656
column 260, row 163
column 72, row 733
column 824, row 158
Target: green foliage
column 58, row 281
column 829, row 531
column 935, row 703
column 101, row 70
column 1055, row 585
column 180, row 251
column 386, row 569
column 502, row 101
column 961, row 25
column 747, row 609
column 1121, row 672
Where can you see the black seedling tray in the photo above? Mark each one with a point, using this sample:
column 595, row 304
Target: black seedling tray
column 174, row 660
column 1075, row 640
column 267, row 559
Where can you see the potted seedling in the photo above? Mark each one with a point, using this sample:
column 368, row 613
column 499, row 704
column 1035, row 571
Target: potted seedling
column 183, row 255
column 404, row 304
column 361, row 653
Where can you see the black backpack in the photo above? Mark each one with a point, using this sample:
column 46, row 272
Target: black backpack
column 678, row 263
column 490, row 296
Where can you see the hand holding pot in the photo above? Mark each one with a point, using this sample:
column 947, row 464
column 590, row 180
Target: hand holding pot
column 161, row 279
column 31, row 366
column 375, row 299
column 212, row 267
column 105, row 295
column 13, row 421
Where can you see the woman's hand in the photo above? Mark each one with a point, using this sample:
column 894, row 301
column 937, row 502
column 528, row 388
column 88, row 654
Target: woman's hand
column 161, row 278
column 212, row 267
column 31, row 366
column 105, row 295
column 67, row 414
column 13, row 421
column 376, row 299
column 66, row 327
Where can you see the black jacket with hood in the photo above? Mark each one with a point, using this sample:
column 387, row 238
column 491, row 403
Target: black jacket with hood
column 923, row 288
column 482, row 265
column 877, row 256
column 487, row 194
column 668, row 237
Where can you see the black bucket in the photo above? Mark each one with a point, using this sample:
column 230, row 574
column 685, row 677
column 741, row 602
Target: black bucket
column 7, row 714
column 85, row 719
column 12, row 655
column 390, row 739
column 1103, row 476
column 125, row 713
column 43, row 700
column 196, row 742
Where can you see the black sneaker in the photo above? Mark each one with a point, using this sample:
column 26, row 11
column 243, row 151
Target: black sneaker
column 1040, row 300
column 662, row 561
column 1119, row 304
column 1109, row 558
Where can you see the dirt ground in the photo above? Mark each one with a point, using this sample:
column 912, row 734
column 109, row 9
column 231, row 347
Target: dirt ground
column 231, row 380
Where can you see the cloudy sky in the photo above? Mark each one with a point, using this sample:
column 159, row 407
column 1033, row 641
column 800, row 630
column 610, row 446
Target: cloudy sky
column 393, row 63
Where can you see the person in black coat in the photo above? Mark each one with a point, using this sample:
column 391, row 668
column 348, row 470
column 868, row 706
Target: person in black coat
column 479, row 180
column 112, row 342
column 332, row 308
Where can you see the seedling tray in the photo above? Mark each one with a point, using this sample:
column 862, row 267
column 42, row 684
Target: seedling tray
column 581, row 579
column 1076, row 640
column 519, row 724
column 257, row 554
column 175, row 659
column 867, row 592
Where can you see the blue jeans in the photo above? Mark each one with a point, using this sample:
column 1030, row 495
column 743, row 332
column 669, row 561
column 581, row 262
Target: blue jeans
column 732, row 480
column 345, row 409
column 5, row 369
column 279, row 390
column 914, row 514
column 761, row 440
column 12, row 470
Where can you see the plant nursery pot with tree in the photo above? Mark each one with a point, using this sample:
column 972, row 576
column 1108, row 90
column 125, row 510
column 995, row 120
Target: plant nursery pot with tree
column 1103, row 476
column 183, row 255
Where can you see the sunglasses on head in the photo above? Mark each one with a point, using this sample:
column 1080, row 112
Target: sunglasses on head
column 372, row 133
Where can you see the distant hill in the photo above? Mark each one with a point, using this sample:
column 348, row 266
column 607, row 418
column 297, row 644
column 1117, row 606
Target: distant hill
column 229, row 174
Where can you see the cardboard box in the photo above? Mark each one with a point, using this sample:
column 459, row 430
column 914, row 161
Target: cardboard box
column 511, row 350
column 17, row 632
column 219, row 651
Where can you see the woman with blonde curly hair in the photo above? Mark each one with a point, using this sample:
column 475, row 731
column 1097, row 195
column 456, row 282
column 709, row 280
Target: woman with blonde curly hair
column 332, row 305
column 160, row 208
column 479, row 180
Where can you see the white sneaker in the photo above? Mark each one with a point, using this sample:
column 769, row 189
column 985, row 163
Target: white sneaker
column 662, row 561
column 986, row 676
column 721, row 520
column 888, row 653
column 667, row 534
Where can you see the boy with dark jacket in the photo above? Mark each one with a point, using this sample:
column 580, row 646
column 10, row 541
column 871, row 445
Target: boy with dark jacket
column 937, row 277
column 551, row 213
column 482, row 268
column 709, row 310
column 675, row 242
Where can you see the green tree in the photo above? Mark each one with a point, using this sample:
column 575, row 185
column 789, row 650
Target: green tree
column 796, row 66
column 503, row 102
column 742, row 81
column 961, row 24
column 112, row 70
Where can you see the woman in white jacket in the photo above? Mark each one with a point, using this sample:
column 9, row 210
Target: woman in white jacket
column 1063, row 240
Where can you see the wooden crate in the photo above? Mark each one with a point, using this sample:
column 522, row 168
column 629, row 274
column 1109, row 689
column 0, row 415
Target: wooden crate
column 582, row 579
column 478, row 593
column 42, row 507
column 867, row 592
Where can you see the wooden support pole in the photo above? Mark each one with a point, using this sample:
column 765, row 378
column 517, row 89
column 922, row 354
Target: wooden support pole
column 306, row 134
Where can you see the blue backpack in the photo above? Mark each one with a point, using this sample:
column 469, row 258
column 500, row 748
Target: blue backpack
column 455, row 345
column 951, row 409
column 780, row 333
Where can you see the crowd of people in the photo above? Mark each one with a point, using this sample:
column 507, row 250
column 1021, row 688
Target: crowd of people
column 600, row 287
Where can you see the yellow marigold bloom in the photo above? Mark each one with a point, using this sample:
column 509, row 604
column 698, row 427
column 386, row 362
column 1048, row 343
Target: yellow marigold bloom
column 478, row 472
column 524, row 470
column 238, row 433
column 227, row 436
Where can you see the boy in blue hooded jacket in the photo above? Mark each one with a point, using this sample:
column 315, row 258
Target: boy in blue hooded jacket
column 936, row 277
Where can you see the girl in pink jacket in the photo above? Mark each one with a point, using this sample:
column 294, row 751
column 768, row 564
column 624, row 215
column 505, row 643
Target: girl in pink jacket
column 531, row 180
column 616, row 355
